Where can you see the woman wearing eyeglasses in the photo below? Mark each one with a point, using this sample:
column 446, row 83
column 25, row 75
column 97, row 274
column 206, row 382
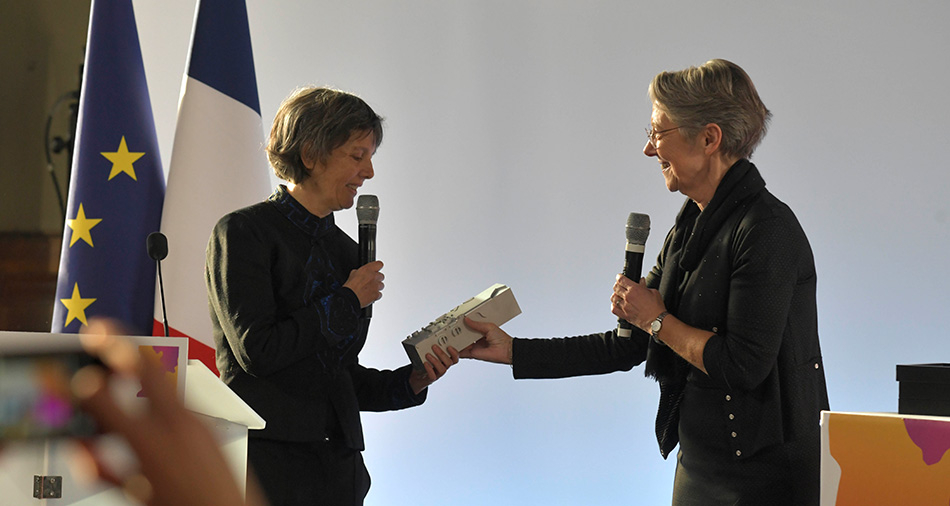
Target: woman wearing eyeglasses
column 726, row 319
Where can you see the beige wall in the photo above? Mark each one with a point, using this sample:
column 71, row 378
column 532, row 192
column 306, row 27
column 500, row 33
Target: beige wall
column 41, row 50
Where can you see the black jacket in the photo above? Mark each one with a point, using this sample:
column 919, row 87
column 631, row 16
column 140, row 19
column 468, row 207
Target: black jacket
column 287, row 334
column 744, row 270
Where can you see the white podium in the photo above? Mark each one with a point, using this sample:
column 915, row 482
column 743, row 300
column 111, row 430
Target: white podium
column 228, row 417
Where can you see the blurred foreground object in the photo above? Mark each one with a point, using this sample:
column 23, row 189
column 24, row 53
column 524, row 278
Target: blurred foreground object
column 157, row 450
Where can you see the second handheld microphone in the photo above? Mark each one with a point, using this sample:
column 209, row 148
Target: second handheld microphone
column 638, row 228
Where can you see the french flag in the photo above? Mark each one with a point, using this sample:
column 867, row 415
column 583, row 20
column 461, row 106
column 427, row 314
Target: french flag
column 217, row 165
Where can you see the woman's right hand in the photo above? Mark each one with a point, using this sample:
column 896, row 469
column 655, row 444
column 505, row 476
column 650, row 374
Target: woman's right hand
column 494, row 346
column 367, row 283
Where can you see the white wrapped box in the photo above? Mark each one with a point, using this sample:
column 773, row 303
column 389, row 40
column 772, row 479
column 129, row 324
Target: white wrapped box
column 497, row 304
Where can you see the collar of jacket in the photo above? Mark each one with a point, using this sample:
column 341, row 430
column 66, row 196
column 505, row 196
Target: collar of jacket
column 312, row 225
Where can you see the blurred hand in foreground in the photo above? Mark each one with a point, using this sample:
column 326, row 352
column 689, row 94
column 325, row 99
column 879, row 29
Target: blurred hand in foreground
column 179, row 460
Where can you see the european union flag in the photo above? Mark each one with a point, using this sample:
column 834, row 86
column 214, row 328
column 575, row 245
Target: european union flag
column 117, row 185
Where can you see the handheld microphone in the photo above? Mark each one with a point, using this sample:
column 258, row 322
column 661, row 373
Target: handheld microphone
column 157, row 246
column 638, row 228
column 367, row 212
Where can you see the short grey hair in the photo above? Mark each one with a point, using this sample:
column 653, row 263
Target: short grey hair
column 311, row 123
column 719, row 92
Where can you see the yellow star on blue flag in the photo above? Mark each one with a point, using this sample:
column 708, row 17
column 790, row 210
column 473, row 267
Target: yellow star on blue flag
column 81, row 227
column 122, row 160
column 76, row 306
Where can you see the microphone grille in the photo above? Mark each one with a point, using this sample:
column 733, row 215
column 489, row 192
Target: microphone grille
column 157, row 246
column 367, row 209
column 638, row 228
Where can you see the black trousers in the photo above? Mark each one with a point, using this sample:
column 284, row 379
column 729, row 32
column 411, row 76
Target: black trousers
column 321, row 473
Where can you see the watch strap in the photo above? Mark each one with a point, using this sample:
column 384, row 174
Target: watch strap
column 658, row 324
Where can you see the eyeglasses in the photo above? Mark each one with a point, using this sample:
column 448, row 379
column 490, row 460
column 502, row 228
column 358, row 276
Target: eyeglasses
column 651, row 134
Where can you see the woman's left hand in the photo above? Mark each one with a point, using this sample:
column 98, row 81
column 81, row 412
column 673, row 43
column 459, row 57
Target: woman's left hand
column 635, row 302
column 436, row 364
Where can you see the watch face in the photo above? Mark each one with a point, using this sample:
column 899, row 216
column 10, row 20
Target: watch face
column 655, row 326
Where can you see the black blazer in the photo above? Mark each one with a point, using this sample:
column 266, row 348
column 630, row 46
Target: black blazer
column 294, row 361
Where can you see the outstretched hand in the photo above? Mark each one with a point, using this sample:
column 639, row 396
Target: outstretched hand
column 494, row 346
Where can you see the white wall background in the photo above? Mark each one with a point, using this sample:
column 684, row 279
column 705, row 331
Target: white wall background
column 512, row 154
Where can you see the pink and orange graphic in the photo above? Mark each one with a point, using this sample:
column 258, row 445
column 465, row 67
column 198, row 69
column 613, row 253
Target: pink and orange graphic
column 890, row 459
column 167, row 356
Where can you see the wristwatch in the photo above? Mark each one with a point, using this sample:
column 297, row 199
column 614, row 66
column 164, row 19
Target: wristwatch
column 658, row 324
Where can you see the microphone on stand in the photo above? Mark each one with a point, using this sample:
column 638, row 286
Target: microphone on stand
column 367, row 212
column 157, row 246
column 638, row 228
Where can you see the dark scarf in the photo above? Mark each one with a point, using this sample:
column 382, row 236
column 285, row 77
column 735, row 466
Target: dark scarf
column 693, row 231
